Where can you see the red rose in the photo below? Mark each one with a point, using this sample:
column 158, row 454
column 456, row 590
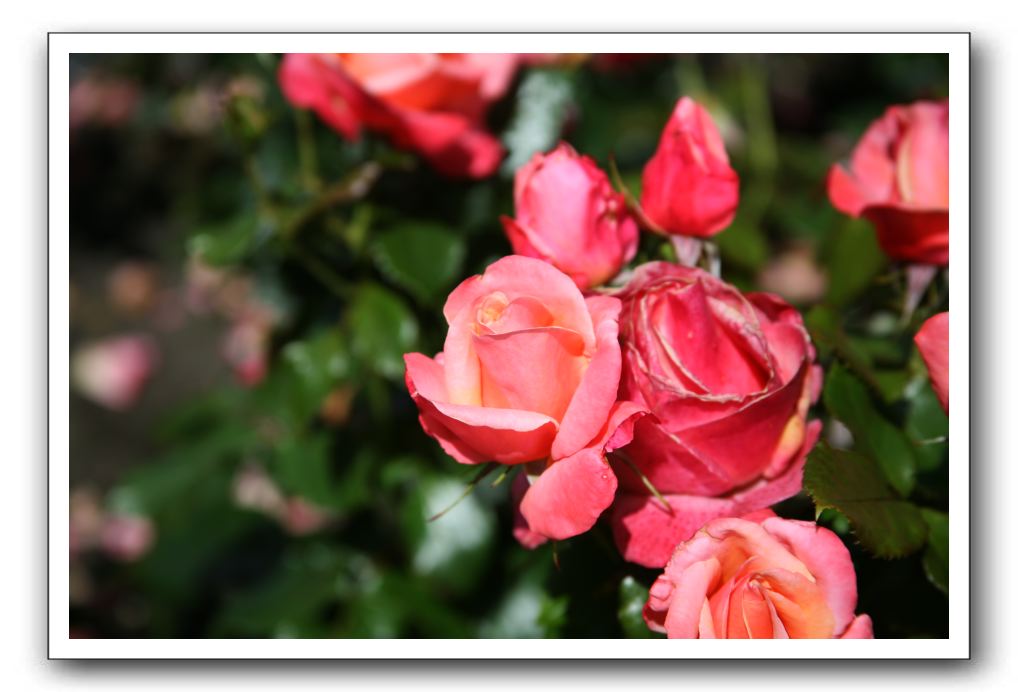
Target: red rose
column 776, row 579
column 897, row 178
column 688, row 186
column 932, row 342
column 430, row 103
column 568, row 215
column 728, row 379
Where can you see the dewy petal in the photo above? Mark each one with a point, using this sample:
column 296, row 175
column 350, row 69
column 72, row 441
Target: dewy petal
column 593, row 399
column 569, row 496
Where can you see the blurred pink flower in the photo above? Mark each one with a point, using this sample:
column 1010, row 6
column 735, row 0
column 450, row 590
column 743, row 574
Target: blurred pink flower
column 127, row 537
column 245, row 348
column 102, row 101
column 113, row 372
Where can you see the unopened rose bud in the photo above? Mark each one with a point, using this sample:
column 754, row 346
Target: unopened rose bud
column 568, row 215
column 688, row 186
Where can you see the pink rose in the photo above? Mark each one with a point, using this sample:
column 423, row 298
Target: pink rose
column 113, row 372
column 688, row 187
column 529, row 375
column 932, row 342
column 430, row 103
column 568, row 214
column 728, row 379
column 738, row 579
column 897, row 178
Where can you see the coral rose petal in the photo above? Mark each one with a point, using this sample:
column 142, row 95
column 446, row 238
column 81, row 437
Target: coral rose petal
column 861, row 628
column 594, row 397
column 932, row 341
column 827, row 559
column 690, row 593
column 569, row 496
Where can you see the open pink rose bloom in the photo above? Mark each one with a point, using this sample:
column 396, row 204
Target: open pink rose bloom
column 529, row 375
column 739, row 579
column 430, row 103
column 898, row 179
column 729, row 379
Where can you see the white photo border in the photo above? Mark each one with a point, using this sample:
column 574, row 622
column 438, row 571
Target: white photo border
column 62, row 45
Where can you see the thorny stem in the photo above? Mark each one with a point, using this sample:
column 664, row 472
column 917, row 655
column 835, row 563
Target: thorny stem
column 349, row 189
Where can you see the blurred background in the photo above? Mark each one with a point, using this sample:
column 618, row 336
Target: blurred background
column 245, row 459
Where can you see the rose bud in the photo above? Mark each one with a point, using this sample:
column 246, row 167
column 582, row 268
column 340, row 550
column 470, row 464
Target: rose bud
column 688, row 187
column 728, row 380
column 739, row 579
column 529, row 375
column 430, row 103
column 567, row 214
column 113, row 372
column 931, row 340
column 897, row 179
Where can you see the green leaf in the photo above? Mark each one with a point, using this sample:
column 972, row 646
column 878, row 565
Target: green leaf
column 314, row 367
column 227, row 243
column 926, row 425
column 542, row 104
column 525, row 612
column 854, row 258
column 848, row 400
column 423, row 258
column 935, row 559
column 851, row 483
column 381, row 329
column 825, row 329
column 302, row 467
column 453, row 549
column 632, row 598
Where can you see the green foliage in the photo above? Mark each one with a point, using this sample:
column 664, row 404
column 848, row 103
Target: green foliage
column 852, row 483
column 424, row 259
column 381, row 329
column 228, row 243
column 854, row 259
column 632, row 598
column 847, row 400
column 452, row 549
column 541, row 107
